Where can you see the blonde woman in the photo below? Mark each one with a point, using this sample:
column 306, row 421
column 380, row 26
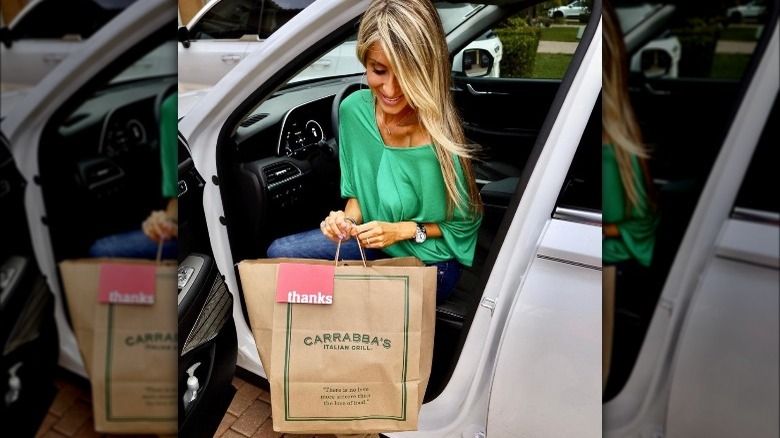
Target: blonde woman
column 628, row 210
column 406, row 166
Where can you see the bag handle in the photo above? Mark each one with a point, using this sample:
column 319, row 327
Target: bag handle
column 159, row 251
column 360, row 247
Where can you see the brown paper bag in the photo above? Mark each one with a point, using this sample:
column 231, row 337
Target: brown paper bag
column 358, row 365
column 129, row 350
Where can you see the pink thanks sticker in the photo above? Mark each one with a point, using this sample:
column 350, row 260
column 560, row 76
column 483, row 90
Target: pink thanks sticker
column 305, row 284
column 122, row 283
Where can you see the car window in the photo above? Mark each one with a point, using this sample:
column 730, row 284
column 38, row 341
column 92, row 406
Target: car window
column 698, row 42
column 452, row 14
column 527, row 45
column 160, row 61
column 762, row 171
column 232, row 19
column 52, row 19
column 582, row 189
column 537, row 47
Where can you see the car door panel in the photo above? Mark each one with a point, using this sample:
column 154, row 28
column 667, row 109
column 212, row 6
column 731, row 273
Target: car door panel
column 503, row 116
column 207, row 61
column 25, row 63
column 557, row 299
column 29, row 341
column 732, row 321
column 681, row 118
column 207, row 346
column 207, row 332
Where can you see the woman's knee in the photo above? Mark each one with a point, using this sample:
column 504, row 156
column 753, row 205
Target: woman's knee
column 276, row 249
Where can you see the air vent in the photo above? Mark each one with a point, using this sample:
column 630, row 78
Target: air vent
column 100, row 172
column 279, row 173
column 254, row 118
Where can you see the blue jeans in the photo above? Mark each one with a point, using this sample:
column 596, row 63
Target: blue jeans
column 131, row 244
column 314, row 245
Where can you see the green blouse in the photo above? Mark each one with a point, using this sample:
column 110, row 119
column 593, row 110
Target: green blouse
column 395, row 184
column 637, row 227
column 169, row 147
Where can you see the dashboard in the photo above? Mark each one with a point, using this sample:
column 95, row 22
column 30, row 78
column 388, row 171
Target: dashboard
column 100, row 162
column 127, row 128
column 283, row 169
column 290, row 122
column 303, row 127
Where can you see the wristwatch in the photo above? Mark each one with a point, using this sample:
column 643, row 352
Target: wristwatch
column 420, row 235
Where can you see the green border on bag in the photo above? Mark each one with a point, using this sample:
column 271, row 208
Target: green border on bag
column 402, row 417
column 109, row 344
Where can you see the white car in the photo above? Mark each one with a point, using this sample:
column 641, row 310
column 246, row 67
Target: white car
column 682, row 342
column 522, row 344
column 45, row 32
column 538, row 257
column 224, row 32
column 751, row 10
column 571, row 10
column 87, row 136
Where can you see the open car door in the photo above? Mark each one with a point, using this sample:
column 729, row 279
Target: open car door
column 207, row 333
column 28, row 334
column 83, row 143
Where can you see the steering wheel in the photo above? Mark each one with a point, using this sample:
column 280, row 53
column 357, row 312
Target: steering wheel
column 340, row 96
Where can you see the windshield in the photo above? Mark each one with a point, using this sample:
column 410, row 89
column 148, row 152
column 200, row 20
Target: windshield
column 343, row 59
column 161, row 61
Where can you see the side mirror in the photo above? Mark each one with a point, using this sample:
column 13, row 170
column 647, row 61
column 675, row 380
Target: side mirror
column 477, row 62
column 184, row 36
column 6, row 37
column 655, row 63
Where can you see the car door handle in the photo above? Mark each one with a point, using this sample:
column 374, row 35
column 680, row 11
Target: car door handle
column 231, row 58
column 653, row 91
column 483, row 93
column 322, row 63
column 53, row 58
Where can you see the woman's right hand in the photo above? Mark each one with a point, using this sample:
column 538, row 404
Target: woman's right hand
column 336, row 227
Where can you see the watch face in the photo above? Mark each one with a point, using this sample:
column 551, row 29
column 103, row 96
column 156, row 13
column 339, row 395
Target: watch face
column 420, row 235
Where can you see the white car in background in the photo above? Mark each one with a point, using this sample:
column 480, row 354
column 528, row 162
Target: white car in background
column 45, row 32
column 752, row 10
column 572, row 10
column 224, row 32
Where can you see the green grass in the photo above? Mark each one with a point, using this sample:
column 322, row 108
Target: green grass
column 560, row 33
column 738, row 34
column 725, row 65
column 551, row 65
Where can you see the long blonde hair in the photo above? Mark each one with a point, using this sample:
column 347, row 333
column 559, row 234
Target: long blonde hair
column 618, row 121
column 411, row 34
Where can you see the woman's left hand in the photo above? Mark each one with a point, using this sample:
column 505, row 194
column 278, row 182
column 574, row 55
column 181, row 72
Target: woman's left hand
column 378, row 235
